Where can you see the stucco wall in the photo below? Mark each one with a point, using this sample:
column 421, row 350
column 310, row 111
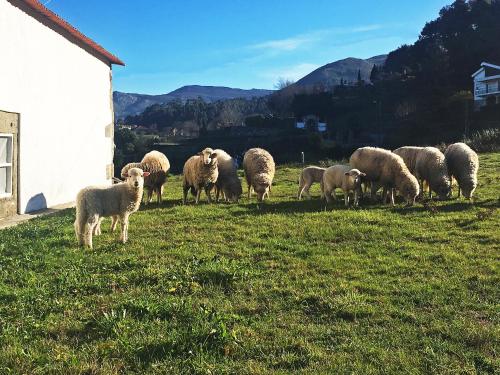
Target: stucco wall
column 63, row 96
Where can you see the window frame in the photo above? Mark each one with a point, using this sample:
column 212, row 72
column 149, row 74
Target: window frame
column 8, row 165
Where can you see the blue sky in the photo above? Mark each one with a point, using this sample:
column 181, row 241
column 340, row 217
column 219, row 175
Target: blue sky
column 167, row 44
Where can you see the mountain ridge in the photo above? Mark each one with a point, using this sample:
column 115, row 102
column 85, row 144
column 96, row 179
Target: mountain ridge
column 126, row 104
column 346, row 70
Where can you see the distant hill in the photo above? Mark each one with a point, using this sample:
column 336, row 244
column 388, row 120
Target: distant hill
column 346, row 69
column 126, row 104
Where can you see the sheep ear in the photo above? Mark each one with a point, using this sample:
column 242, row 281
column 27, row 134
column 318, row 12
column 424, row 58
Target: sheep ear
column 213, row 155
column 347, row 174
column 145, row 174
column 362, row 174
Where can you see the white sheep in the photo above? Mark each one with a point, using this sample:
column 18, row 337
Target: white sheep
column 344, row 177
column 200, row 172
column 430, row 167
column 409, row 155
column 157, row 164
column 308, row 176
column 463, row 165
column 118, row 201
column 228, row 182
column 259, row 168
column 383, row 168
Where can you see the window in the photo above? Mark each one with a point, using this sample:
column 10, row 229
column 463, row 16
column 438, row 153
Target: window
column 5, row 165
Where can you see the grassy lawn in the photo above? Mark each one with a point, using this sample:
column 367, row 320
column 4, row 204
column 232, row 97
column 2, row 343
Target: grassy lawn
column 282, row 287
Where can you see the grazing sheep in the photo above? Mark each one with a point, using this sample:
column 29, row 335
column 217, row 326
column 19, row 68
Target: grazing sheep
column 158, row 166
column 228, row 182
column 200, row 172
column 383, row 168
column 431, row 167
column 409, row 155
column 463, row 164
column 259, row 168
column 118, row 201
column 308, row 176
column 344, row 177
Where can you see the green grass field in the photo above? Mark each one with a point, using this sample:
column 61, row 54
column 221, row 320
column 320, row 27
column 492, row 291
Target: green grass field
column 282, row 287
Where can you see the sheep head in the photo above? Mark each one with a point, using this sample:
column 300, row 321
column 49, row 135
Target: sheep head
column 409, row 190
column 468, row 187
column 443, row 190
column 261, row 185
column 135, row 177
column 208, row 156
column 357, row 175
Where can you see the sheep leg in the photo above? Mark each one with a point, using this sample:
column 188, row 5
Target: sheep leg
column 198, row 194
column 124, row 227
column 97, row 228
column 114, row 221
column 346, row 198
column 149, row 197
column 249, row 190
column 159, row 193
column 80, row 231
column 301, row 190
column 306, row 190
column 328, row 196
column 92, row 221
column 217, row 194
column 391, row 192
column 208, row 193
column 373, row 191
column 356, row 197
column 185, row 192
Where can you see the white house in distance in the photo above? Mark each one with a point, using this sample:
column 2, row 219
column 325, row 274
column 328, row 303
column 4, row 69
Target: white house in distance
column 311, row 122
column 56, row 109
column 487, row 85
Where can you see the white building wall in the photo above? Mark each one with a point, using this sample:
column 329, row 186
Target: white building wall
column 63, row 96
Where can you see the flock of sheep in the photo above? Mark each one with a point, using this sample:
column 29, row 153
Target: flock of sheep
column 404, row 171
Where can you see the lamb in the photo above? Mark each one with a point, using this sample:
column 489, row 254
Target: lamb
column 259, row 168
column 308, row 176
column 228, row 182
column 383, row 168
column 431, row 167
column 344, row 177
column 463, row 165
column 158, row 166
column 200, row 172
column 409, row 155
column 118, row 201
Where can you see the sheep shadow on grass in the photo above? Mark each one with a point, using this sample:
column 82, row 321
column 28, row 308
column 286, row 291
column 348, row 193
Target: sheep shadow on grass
column 290, row 206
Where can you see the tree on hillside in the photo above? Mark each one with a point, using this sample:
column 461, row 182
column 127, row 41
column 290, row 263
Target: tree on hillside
column 283, row 83
column 451, row 47
column 375, row 74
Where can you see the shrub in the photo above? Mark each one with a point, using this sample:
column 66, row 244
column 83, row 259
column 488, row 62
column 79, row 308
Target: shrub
column 487, row 140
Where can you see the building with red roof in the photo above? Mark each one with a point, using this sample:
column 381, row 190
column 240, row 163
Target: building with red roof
column 56, row 109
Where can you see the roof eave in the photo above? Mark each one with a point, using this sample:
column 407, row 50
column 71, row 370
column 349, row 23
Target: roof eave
column 55, row 22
